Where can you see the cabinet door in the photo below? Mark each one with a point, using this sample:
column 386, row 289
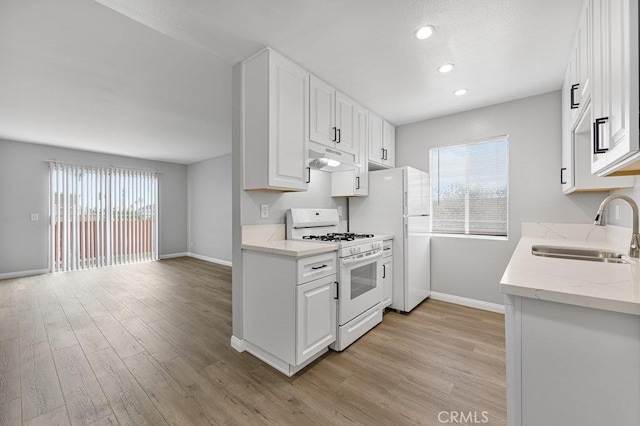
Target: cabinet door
column 322, row 113
column 566, row 168
column 387, row 281
column 389, row 144
column 615, row 80
column 361, row 132
column 288, row 123
column 316, row 317
column 584, row 51
column 346, row 122
column 375, row 139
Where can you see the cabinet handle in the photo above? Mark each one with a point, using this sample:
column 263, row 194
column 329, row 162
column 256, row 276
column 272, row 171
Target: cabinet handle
column 357, row 182
column 386, row 248
column 384, row 271
column 308, row 175
column 335, row 134
column 382, row 158
column 337, row 290
column 339, row 137
column 562, row 182
column 596, row 135
column 319, row 267
column 574, row 104
column 385, row 154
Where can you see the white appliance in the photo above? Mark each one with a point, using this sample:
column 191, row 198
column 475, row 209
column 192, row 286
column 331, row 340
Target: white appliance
column 399, row 204
column 360, row 274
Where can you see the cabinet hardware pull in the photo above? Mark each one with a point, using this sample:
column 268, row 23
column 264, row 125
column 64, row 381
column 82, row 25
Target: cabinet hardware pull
column 574, row 104
column 382, row 158
column 308, row 175
column 562, row 182
column 387, row 248
column 385, row 154
column 339, row 137
column 319, row 267
column 357, row 182
column 596, row 135
column 335, row 134
column 337, row 290
column 384, row 271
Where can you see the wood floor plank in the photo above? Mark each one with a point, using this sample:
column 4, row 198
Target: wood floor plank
column 193, row 350
column 118, row 337
column 84, row 398
column 169, row 398
column 110, row 420
column 9, row 323
column 57, row 417
column 9, row 370
column 11, row 412
column 41, row 391
column 158, row 347
column 58, row 329
column 129, row 402
column 88, row 334
column 32, row 328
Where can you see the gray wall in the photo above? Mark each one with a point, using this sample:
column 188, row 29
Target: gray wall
column 626, row 217
column 470, row 267
column 24, row 189
column 210, row 208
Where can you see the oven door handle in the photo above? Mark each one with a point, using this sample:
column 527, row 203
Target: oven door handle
column 348, row 261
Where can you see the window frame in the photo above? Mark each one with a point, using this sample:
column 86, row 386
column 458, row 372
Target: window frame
column 466, row 232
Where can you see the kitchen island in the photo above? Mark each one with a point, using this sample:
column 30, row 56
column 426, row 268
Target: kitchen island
column 572, row 331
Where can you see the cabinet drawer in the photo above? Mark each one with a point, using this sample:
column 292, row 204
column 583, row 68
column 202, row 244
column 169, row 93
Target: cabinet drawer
column 387, row 248
column 314, row 267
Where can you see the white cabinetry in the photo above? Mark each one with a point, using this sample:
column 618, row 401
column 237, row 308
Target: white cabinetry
column 570, row 365
column 578, row 152
column 382, row 143
column 387, row 273
column 615, row 95
column 289, row 307
column 355, row 182
column 275, row 125
column 332, row 119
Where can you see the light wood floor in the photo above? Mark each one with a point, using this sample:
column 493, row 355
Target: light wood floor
column 149, row 344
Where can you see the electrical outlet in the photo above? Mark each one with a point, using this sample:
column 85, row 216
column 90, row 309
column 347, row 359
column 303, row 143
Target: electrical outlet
column 264, row 211
column 340, row 211
column 34, row 217
column 617, row 211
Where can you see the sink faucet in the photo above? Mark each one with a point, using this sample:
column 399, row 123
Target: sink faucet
column 634, row 247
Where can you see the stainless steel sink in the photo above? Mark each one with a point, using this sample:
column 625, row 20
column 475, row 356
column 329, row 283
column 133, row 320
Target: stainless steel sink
column 576, row 253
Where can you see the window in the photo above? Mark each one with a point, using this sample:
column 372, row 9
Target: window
column 101, row 216
column 469, row 188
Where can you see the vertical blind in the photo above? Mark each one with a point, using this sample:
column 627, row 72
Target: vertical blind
column 101, row 216
column 469, row 190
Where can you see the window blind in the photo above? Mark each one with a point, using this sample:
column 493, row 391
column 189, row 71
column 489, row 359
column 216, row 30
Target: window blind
column 469, row 188
column 101, row 216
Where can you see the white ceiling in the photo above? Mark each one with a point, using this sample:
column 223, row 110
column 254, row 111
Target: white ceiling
column 88, row 75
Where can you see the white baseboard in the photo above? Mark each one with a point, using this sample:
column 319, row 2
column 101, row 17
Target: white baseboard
column 172, row 255
column 237, row 344
column 19, row 274
column 472, row 303
column 210, row 259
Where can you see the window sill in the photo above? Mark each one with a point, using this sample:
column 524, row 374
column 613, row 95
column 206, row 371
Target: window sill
column 473, row 237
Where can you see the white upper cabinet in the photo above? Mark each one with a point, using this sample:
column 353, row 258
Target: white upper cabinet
column 615, row 88
column 332, row 119
column 349, row 183
column 275, row 104
column 382, row 143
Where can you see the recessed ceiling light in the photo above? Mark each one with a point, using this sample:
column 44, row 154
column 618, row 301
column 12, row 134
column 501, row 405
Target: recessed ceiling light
column 424, row 32
column 446, row 68
column 460, row 92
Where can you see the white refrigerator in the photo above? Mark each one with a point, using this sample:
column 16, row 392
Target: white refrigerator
column 399, row 204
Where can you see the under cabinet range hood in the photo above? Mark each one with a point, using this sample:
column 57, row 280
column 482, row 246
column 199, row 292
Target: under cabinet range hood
column 329, row 160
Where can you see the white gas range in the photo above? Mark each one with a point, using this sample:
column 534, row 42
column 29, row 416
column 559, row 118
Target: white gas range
column 360, row 273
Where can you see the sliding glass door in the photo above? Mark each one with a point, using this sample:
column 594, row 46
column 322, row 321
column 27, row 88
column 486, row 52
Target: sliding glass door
column 101, row 216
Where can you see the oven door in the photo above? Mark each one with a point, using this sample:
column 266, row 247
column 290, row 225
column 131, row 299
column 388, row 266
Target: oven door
column 360, row 284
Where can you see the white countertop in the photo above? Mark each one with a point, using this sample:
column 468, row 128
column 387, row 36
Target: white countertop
column 293, row 248
column 607, row 286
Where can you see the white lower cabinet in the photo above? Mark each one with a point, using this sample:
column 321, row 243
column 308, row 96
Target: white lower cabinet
column 289, row 308
column 387, row 274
